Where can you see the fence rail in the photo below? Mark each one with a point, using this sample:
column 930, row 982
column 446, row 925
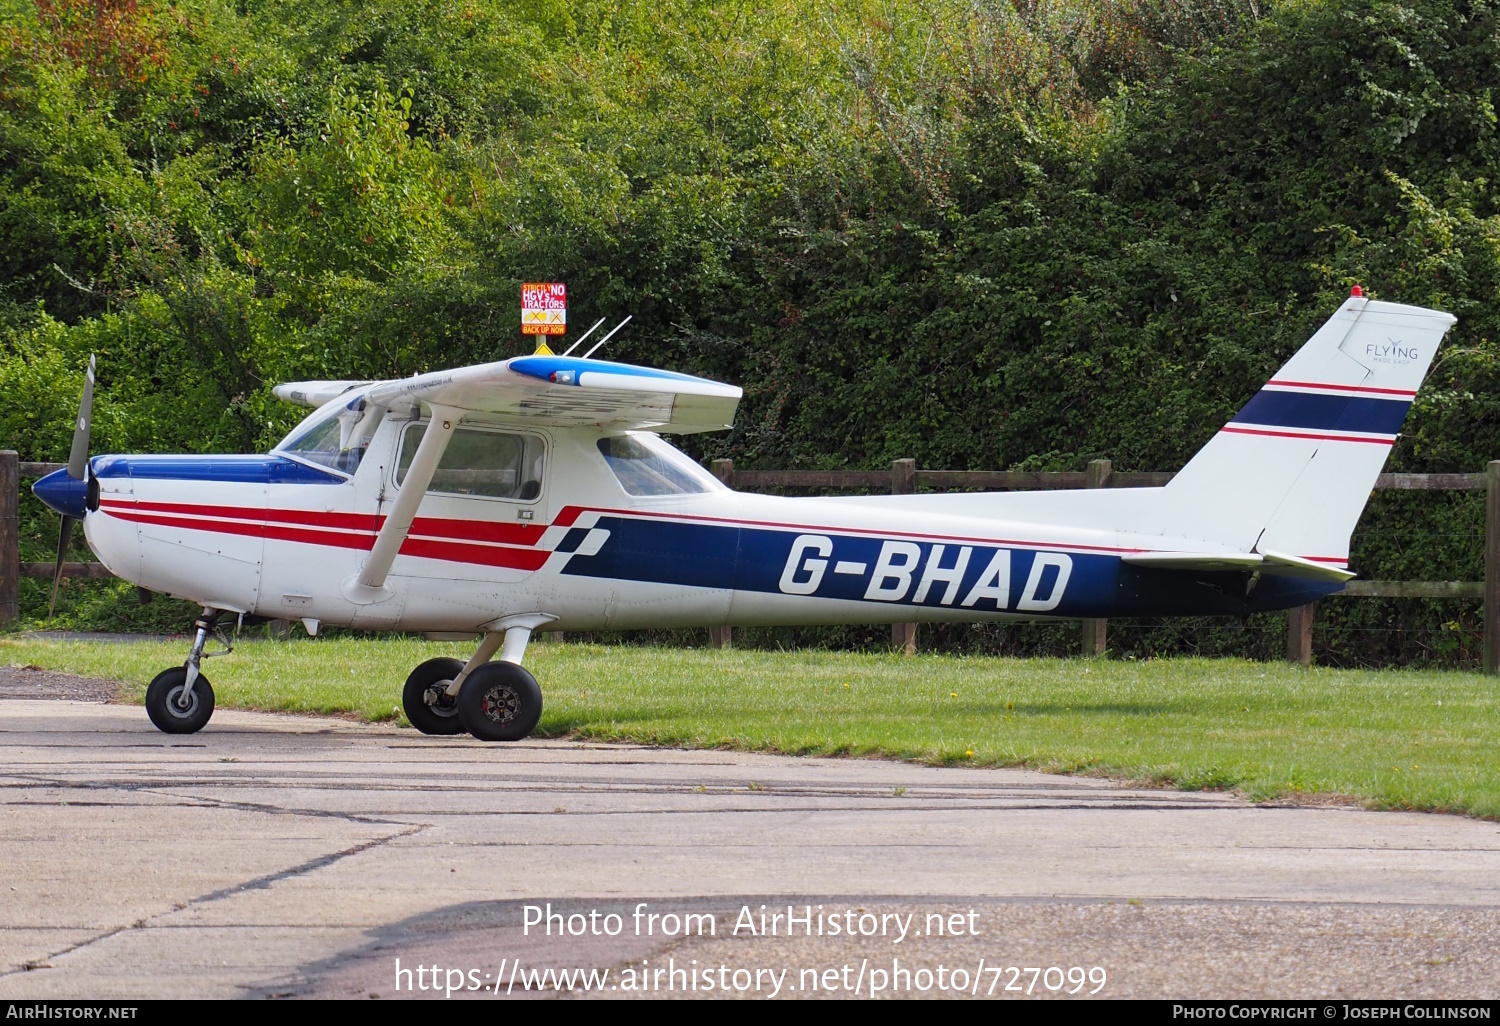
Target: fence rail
column 904, row 478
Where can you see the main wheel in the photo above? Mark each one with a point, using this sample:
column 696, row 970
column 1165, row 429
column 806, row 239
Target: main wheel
column 426, row 700
column 500, row 702
column 165, row 707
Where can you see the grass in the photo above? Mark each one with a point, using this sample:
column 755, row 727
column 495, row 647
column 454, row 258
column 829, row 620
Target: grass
column 1396, row 739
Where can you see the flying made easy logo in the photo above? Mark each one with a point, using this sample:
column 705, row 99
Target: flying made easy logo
column 1392, row 351
column 908, row 571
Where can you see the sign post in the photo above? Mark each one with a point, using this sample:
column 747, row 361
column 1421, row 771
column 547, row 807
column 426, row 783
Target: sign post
column 544, row 311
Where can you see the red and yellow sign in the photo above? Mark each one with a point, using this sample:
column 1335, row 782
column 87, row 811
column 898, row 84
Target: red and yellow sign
column 544, row 308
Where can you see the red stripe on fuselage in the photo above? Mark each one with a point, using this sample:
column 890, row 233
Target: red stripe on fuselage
column 568, row 515
column 280, row 532
column 479, row 530
column 451, row 551
column 487, row 555
column 441, row 527
column 307, row 518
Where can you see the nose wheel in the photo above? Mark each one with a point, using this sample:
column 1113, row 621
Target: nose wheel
column 176, row 709
column 180, row 700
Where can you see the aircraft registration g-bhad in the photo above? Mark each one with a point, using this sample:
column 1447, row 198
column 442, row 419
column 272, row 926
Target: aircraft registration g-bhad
column 536, row 492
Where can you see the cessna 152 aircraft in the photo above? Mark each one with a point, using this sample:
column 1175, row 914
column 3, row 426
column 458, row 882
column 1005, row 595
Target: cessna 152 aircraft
column 537, row 492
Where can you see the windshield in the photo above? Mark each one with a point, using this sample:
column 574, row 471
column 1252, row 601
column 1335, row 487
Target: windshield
column 338, row 440
column 320, row 444
column 646, row 465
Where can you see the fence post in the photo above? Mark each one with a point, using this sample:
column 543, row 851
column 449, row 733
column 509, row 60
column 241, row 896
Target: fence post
column 10, row 536
column 722, row 636
column 1492, row 567
column 904, row 482
column 1095, row 631
column 1299, row 622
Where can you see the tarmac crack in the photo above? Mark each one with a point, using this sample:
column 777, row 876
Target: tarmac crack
column 263, row 882
column 271, row 810
column 311, row 865
column 194, row 801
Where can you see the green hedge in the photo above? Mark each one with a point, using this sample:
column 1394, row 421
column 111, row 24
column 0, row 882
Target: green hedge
column 982, row 236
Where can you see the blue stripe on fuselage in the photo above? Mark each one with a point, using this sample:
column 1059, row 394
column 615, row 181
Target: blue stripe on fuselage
column 891, row 572
column 876, row 570
column 1324, row 412
column 260, row 469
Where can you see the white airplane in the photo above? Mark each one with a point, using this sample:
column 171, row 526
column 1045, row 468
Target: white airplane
column 536, row 492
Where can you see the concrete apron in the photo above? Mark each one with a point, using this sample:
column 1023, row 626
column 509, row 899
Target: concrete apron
column 289, row 855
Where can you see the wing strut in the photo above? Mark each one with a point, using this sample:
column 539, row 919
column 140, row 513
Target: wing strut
column 368, row 586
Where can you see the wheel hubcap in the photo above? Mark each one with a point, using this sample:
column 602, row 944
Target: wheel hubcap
column 175, row 704
column 439, row 701
column 501, row 704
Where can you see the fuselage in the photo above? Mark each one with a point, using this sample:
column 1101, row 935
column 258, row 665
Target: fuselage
column 607, row 531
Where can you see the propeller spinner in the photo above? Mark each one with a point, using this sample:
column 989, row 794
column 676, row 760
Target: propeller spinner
column 66, row 491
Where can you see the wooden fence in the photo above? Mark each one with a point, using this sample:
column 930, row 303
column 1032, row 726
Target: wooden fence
column 904, row 478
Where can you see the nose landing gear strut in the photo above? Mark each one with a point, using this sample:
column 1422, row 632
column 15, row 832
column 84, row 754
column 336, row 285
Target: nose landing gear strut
column 181, row 700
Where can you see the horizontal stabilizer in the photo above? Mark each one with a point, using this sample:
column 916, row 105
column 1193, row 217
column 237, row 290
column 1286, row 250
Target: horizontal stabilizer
column 1274, row 563
column 1283, row 565
column 1201, row 561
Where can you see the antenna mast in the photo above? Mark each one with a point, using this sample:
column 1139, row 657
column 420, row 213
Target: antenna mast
column 606, row 338
column 585, row 335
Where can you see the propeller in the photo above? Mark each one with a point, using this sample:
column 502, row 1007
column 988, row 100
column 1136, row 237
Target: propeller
column 78, row 462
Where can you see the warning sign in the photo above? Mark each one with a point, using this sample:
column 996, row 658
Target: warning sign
column 544, row 308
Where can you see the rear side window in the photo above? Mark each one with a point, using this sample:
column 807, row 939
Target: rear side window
column 645, row 465
column 478, row 462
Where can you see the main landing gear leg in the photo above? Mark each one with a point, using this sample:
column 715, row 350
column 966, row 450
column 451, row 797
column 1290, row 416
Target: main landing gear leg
column 501, row 701
column 181, row 700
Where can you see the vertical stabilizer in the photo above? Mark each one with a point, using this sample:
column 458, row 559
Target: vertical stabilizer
column 1292, row 471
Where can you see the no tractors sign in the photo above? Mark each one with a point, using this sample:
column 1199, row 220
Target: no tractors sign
column 544, row 308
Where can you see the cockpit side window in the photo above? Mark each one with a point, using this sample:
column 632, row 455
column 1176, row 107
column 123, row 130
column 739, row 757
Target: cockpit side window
column 479, row 462
column 646, row 465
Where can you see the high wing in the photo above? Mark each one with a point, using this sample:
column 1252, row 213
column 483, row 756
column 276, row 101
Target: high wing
column 315, row 393
column 559, row 390
column 556, row 390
